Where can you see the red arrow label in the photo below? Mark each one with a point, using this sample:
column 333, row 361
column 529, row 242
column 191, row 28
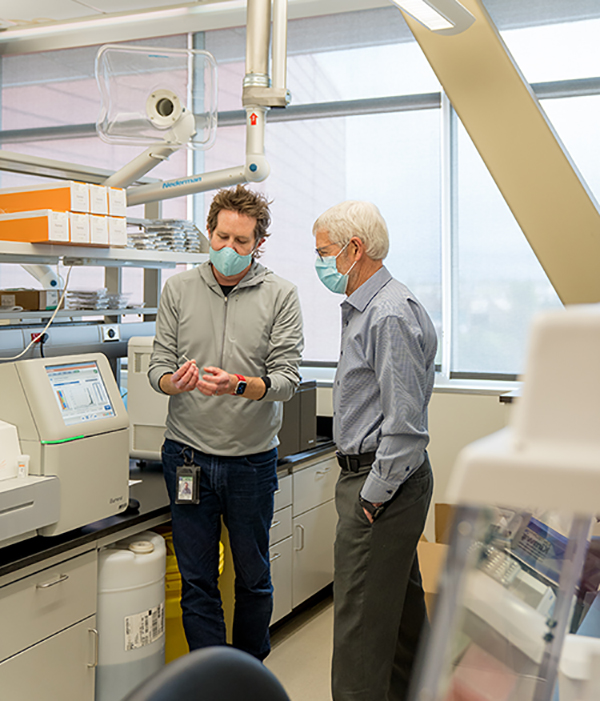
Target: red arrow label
column 253, row 119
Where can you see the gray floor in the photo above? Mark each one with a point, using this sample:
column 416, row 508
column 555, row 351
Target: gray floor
column 301, row 653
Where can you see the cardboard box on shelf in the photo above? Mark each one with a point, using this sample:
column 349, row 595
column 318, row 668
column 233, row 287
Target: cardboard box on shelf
column 30, row 300
column 41, row 226
column 66, row 196
column 432, row 557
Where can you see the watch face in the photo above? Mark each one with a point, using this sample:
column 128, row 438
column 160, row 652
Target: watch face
column 241, row 387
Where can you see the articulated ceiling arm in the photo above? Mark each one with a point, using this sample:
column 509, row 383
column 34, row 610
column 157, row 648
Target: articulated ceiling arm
column 259, row 95
column 255, row 169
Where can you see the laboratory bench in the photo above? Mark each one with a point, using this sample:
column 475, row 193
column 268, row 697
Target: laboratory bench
column 48, row 585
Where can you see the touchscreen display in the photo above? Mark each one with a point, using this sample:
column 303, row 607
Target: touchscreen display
column 80, row 392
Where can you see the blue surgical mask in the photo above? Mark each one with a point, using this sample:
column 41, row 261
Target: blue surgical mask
column 229, row 262
column 330, row 276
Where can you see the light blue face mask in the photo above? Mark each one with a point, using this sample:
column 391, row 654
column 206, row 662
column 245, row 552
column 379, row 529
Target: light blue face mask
column 229, row 262
column 330, row 276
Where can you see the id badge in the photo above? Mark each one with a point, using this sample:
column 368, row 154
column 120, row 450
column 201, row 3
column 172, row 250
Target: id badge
column 188, row 484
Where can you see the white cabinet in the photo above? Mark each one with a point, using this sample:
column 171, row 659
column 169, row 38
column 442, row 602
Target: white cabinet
column 61, row 668
column 280, row 551
column 312, row 563
column 314, row 522
column 280, row 556
column 48, row 644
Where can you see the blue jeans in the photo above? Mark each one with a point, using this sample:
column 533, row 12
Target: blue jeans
column 240, row 489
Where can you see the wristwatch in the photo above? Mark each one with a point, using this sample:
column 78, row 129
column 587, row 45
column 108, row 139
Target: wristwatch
column 375, row 511
column 240, row 388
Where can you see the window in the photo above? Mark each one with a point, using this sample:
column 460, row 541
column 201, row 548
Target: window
column 365, row 123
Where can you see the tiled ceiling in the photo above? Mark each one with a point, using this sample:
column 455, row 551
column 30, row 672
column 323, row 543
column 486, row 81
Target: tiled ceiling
column 29, row 12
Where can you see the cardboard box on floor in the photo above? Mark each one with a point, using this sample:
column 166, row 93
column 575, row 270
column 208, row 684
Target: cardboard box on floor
column 432, row 556
column 444, row 515
column 431, row 561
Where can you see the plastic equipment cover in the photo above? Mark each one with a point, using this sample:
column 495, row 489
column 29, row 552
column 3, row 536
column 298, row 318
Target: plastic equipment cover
column 147, row 91
column 505, row 605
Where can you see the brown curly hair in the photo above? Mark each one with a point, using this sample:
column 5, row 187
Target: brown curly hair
column 243, row 201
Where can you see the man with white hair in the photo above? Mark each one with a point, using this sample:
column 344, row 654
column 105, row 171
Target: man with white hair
column 381, row 390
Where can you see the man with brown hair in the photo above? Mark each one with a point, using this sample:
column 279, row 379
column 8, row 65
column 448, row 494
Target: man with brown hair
column 242, row 325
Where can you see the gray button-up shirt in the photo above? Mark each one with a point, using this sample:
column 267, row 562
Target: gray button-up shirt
column 384, row 381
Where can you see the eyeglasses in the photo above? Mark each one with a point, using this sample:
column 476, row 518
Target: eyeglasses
column 322, row 252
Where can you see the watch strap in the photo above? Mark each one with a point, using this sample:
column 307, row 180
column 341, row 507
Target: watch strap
column 375, row 511
column 267, row 380
column 240, row 388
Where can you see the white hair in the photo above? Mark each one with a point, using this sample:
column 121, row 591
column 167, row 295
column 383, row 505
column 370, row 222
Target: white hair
column 356, row 218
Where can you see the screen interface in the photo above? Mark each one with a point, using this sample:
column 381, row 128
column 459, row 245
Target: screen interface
column 80, row 392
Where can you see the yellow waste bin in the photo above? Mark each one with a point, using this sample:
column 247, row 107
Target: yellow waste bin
column 175, row 641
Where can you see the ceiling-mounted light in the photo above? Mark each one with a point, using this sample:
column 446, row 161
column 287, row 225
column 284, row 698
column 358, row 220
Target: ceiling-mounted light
column 441, row 16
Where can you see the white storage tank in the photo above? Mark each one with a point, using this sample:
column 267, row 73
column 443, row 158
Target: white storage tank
column 131, row 614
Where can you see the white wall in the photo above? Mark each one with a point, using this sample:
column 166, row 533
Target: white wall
column 455, row 420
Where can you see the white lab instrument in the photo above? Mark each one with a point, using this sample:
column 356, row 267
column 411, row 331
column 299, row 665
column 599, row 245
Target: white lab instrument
column 73, row 426
column 26, row 502
column 507, row 595
column 147, row 409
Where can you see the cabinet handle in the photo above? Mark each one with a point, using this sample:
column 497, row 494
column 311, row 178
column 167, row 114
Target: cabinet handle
column 275, row 523
column 324, row 471
column 274, row 557
column 46, row 585
column 96, row 645
column 301, row 527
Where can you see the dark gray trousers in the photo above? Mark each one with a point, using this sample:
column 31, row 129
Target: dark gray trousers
column 379, row 605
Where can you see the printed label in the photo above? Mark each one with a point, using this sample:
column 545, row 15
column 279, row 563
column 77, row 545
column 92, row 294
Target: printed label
column 144, row 628
column 8, row 300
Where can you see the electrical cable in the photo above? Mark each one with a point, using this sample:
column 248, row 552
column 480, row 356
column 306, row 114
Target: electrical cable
column 37, row 337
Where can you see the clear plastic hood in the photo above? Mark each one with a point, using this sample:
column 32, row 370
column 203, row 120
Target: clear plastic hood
column 152, row 95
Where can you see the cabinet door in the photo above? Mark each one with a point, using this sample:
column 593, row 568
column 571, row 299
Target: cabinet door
column 61, row 668
column 312, row 564
column 280, row 556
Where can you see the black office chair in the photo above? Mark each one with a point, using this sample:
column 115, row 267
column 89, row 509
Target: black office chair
column 212, row 674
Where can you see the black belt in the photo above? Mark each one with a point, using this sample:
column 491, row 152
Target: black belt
column 353, row 463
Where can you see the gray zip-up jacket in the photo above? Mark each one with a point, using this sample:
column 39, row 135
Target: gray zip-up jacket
column 255, row 331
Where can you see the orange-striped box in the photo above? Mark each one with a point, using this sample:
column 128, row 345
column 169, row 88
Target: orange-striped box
column 79, row 228
column 98, row 199
column 68, row 196
column 117, row 202
column 98, row 230
column 117, row 231
column 35, row 227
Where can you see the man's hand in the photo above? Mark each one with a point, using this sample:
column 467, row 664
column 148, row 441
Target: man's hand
column 216, row 382
column 368, row 513
column 184, row 379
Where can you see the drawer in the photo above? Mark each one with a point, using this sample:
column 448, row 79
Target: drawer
column 283, row 495
column 281, row 527
column 47, row 601
column 315, row 485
